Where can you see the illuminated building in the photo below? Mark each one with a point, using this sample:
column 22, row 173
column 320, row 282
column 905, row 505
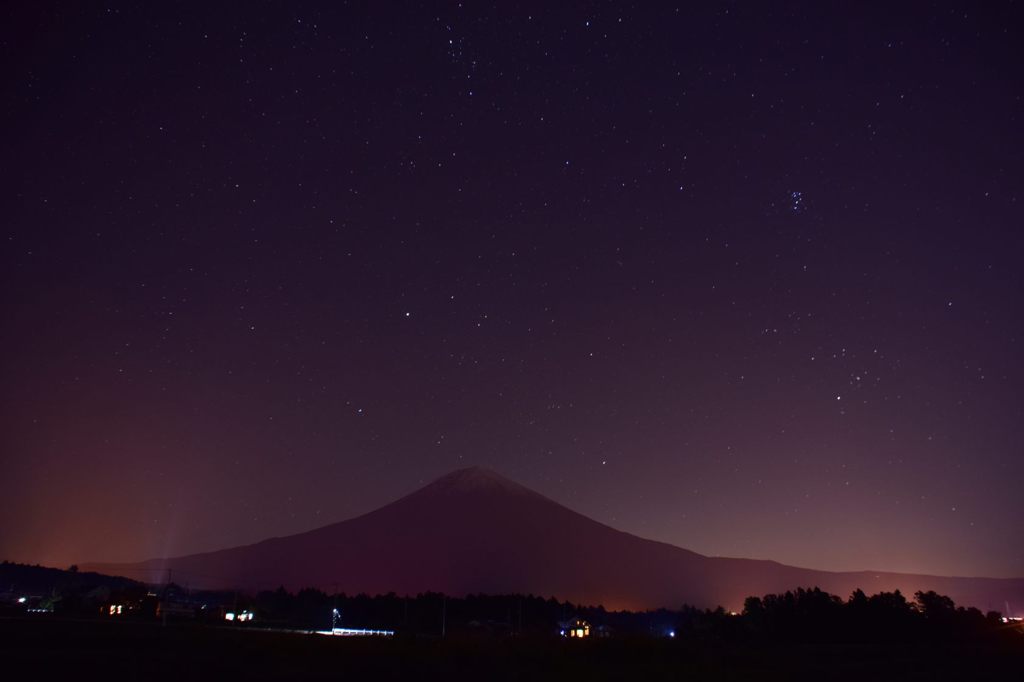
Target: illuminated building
column 576, row 628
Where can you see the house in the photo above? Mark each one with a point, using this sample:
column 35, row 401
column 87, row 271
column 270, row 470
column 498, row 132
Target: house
column 575, row 628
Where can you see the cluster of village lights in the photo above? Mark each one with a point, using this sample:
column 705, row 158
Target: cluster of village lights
column 242, row 617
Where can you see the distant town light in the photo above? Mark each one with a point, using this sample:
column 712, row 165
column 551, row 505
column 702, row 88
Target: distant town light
column 22, row 600
column 671, row 633
column 229, row 615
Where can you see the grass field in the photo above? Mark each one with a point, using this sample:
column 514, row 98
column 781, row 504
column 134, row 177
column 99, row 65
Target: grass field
column 48, row 648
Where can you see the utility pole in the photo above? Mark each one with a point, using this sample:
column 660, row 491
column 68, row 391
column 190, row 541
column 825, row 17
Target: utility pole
column 444, row 615
column 167, row 589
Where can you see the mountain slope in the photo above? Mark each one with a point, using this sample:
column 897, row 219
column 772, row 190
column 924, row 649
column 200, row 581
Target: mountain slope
column 475, row 531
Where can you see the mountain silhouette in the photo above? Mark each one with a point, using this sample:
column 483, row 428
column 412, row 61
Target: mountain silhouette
column 474, row 531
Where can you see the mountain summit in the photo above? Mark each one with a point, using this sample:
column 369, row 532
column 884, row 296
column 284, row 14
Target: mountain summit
column 474, row 531
column 474, row 480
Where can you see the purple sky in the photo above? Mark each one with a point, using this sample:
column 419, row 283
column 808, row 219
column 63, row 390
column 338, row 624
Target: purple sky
column 746, row 279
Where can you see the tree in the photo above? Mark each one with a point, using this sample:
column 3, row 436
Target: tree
column 934, row 606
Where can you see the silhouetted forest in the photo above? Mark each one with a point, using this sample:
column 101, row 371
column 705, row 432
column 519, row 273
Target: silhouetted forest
column 803, row 615
column 69, row 625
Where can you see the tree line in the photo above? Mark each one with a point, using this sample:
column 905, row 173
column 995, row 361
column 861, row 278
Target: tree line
column 798, row 615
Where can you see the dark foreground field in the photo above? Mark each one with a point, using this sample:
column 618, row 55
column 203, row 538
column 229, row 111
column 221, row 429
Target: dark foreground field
column 34, row 648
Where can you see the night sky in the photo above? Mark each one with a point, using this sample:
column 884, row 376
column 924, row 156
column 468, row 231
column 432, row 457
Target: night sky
column 742, row 278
